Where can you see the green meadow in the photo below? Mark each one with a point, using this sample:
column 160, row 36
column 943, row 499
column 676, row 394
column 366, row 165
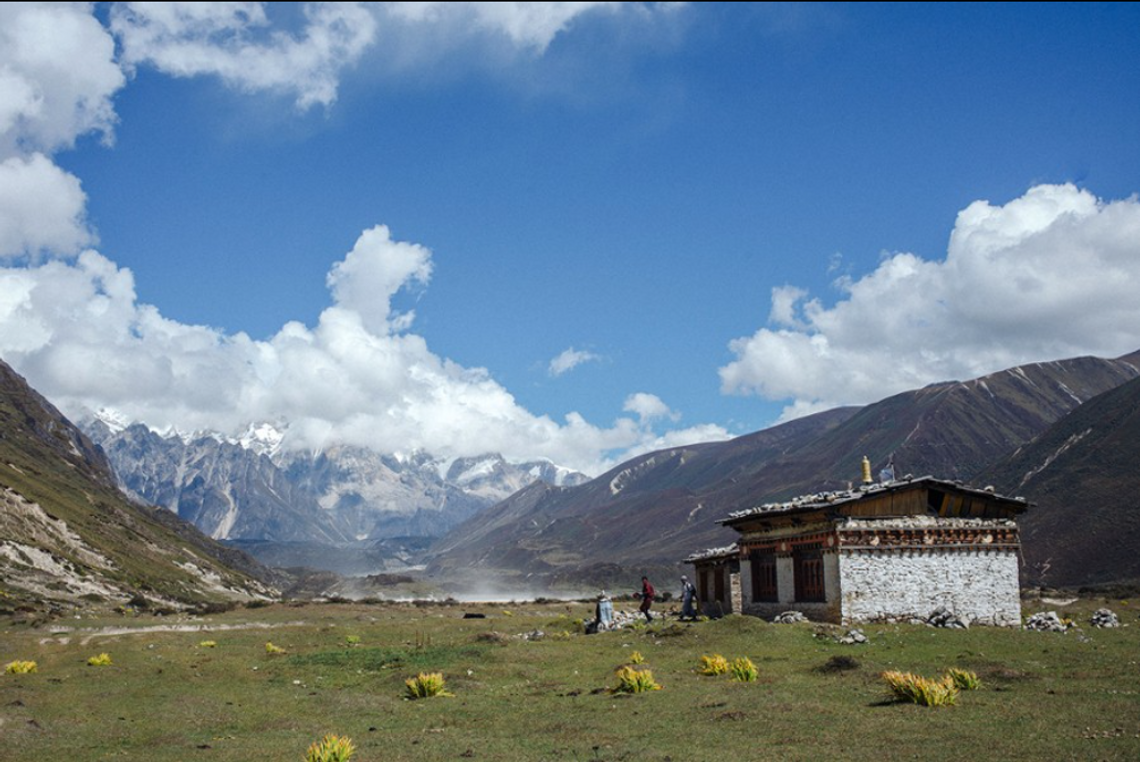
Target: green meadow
column 208, row 688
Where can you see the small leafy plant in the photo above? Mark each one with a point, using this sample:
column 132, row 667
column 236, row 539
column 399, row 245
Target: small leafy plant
column 743, row 670
column 208, row 644
column 922, row 690
column 963, row 679
column 102, row 660
column 20, row 667
column 636, row 658
column 331, row 748
column 714, row 665
column 352, row 640
column 632, row 680
column 272, row 649
column 425, row 685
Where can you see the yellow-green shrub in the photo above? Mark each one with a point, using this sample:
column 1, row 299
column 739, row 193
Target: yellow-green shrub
column 425, row 685
column 102, row 660
column 208, row 644
column 331, row 748
column 714, row 665
column 632, row 680
column 20, row 667
column 922, row 690
column 964, row 679
column 272, row 649
column 636, row 658
column 743, row 670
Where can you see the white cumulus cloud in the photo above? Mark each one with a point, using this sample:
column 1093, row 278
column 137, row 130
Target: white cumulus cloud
column 42, row 208
column 1051, row 274
column 358, row 376
column 648, row 407
column 57, row 78
column 569, row 359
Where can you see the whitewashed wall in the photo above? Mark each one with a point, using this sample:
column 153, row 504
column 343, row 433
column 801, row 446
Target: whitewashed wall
column 979, row 586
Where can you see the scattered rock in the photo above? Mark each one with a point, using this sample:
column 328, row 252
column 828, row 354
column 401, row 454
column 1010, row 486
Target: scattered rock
column 853, row 637
column 1046, row 621
column 1104, row 618
column 944, row 617
column 491, row 637
column 790, row 617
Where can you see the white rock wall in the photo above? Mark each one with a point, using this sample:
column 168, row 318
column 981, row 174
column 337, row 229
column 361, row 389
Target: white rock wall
column 979, row 586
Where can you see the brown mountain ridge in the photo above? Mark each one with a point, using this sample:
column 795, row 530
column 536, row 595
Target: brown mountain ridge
column 650, row 512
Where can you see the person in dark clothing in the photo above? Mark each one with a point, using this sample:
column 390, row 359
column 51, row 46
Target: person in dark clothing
column 647, row 595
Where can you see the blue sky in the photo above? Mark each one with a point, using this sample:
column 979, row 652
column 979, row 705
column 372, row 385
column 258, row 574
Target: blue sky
column 718, row 215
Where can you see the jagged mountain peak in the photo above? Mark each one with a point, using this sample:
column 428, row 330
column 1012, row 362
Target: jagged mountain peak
column 253, row 487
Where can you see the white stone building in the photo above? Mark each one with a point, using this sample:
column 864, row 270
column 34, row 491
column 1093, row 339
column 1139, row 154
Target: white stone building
column 885, row 552
column 718, row 580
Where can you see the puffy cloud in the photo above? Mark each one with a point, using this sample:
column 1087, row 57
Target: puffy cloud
column 238, row 42
column 569, row 359
column 1054, row 273
column 42, row 208
column 78, row 332
column 358, row 376
column 648, row 407
column 57, row 76
column 372, row 273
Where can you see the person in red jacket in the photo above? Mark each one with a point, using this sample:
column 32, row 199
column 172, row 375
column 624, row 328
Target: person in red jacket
column 647, row 595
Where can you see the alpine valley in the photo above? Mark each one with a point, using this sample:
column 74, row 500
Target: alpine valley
column 1059, row 433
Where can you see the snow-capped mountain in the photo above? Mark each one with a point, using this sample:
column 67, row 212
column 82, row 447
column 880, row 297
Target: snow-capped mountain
column 248, row 487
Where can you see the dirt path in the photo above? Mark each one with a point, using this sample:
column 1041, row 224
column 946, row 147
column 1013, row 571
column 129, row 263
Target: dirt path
column 106, row 632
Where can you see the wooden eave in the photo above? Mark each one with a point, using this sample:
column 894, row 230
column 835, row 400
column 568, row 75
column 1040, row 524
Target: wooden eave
column 894, row 499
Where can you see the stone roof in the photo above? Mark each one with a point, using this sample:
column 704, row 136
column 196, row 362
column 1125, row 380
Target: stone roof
column 826, row 500
column 712, row 554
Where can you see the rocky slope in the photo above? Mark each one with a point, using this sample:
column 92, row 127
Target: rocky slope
column 68, row 536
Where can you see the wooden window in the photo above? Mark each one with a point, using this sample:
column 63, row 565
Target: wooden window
column 764, row 588
column 807, row 566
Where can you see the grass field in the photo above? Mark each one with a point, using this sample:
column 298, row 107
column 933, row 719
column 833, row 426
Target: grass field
column 169, row 695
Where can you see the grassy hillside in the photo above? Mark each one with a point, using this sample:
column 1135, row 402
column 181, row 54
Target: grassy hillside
column 68, row 536
column 166, row 696
column 1084, row 476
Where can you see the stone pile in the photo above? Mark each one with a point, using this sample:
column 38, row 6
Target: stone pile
column 1104, row 618
column 790, row 617
column 944, row 617
column 621, row 620
column 1046, row 621
column 853, row 637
